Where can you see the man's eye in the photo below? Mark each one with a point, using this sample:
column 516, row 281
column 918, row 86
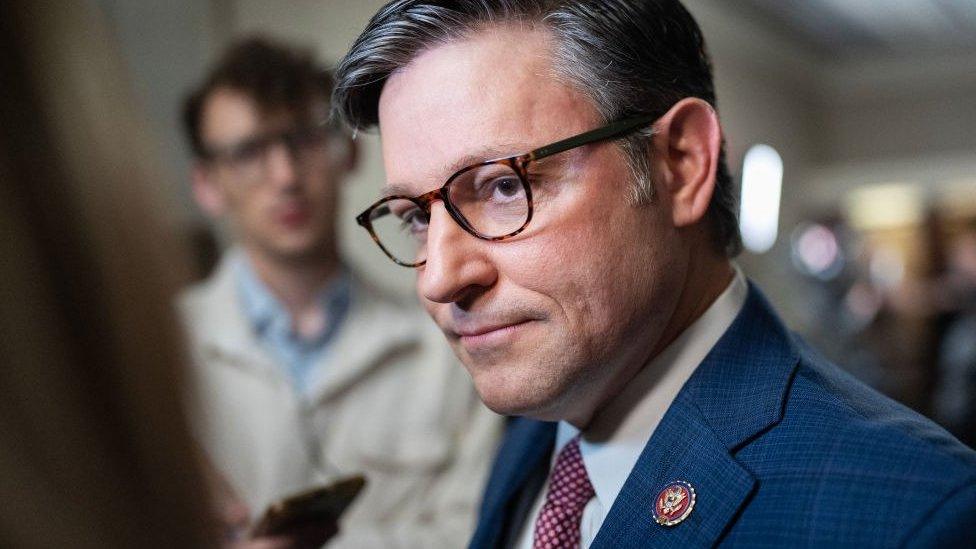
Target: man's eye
column 503, row 189
column 247, row 151
column 413, row 220
column 508, row 187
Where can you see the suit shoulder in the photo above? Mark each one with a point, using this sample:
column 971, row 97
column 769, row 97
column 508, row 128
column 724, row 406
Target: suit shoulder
column 949, row 523
column 862, row 424
column 851, row 464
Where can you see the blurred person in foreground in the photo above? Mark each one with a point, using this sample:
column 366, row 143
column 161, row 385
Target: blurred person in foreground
column 94, row 450
column 556, row 176
column 305, row 372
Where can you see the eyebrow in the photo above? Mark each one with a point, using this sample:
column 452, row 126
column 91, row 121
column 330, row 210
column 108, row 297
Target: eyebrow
column 485, row 154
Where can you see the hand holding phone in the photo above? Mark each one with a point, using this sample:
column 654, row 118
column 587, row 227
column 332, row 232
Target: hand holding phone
column 313, row 513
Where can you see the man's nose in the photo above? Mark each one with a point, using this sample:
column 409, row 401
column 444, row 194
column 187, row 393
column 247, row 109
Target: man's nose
column 457, row 266
column 281, row 165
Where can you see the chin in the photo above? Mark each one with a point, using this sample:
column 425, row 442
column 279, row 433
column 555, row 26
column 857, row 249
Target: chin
column 299, row 248
column 511, row 394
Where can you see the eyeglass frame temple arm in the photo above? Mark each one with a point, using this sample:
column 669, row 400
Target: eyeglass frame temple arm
column 611, row 131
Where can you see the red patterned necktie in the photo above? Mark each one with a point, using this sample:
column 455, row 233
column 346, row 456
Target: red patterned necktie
column 558, row 525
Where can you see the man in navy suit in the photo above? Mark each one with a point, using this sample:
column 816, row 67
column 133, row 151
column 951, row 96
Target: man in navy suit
column 556, row 175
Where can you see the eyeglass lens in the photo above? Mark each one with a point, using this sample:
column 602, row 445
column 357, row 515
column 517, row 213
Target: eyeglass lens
column 249, row 156
column 491, row 198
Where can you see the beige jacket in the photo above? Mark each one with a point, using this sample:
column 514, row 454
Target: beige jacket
column 395, row 406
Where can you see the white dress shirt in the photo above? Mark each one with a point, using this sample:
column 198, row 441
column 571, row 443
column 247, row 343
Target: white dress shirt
column 613, row 443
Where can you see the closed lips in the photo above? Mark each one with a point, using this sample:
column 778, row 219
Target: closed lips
column 481, row 330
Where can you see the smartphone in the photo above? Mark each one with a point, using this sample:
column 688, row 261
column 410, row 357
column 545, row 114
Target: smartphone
column 322, row 504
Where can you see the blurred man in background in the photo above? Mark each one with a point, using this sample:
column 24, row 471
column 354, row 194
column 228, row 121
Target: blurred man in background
column 305, row 372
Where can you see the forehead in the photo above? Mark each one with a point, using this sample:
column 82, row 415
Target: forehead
column 229, row 115
column 493, row 93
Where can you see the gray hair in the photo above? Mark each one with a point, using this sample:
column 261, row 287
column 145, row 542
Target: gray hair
column 630, row 57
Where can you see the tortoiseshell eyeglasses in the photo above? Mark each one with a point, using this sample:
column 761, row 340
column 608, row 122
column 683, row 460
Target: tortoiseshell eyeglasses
column 491, row 200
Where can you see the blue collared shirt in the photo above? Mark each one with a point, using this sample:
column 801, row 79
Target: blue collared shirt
column 272, row 324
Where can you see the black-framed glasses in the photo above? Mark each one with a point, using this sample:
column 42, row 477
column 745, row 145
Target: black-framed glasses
column 491, row 200
column 248, row 156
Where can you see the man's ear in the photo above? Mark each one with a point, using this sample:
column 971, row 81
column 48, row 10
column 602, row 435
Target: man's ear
column 688, row 142
column 206, row 192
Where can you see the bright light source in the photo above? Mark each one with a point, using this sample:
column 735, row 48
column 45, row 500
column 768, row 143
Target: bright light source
column 886, row 206
column 762, row 185
column 816, row 252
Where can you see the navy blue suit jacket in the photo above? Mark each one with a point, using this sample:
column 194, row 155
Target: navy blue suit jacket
column 783, row 449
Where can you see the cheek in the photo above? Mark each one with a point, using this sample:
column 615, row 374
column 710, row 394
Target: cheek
column 571, row 270
column 602, row 276
column 328, row 194
column 440, row 313
column 251, row 206
column 318, row 178
column 237, row 202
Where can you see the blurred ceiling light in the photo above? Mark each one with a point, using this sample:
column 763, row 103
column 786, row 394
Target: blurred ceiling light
column 762, row 184
column 885, row 206
column 816, row 252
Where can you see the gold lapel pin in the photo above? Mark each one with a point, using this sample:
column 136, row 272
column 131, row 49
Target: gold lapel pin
column 674, row 503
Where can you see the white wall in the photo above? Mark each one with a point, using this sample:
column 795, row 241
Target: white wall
column 909, row 108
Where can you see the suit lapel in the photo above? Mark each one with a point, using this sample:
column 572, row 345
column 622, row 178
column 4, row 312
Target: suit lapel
column 735, row 394
column 682, row 449
column 528, row 444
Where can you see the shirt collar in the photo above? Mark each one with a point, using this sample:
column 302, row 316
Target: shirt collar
column 611, row 448
column 263, row 309
column 259, row 306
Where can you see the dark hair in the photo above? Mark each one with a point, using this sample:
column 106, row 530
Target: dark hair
column 630, row 57
column 276, row 76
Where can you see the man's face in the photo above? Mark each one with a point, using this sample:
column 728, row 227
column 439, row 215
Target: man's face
column 280, row 199
column 553, row 320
